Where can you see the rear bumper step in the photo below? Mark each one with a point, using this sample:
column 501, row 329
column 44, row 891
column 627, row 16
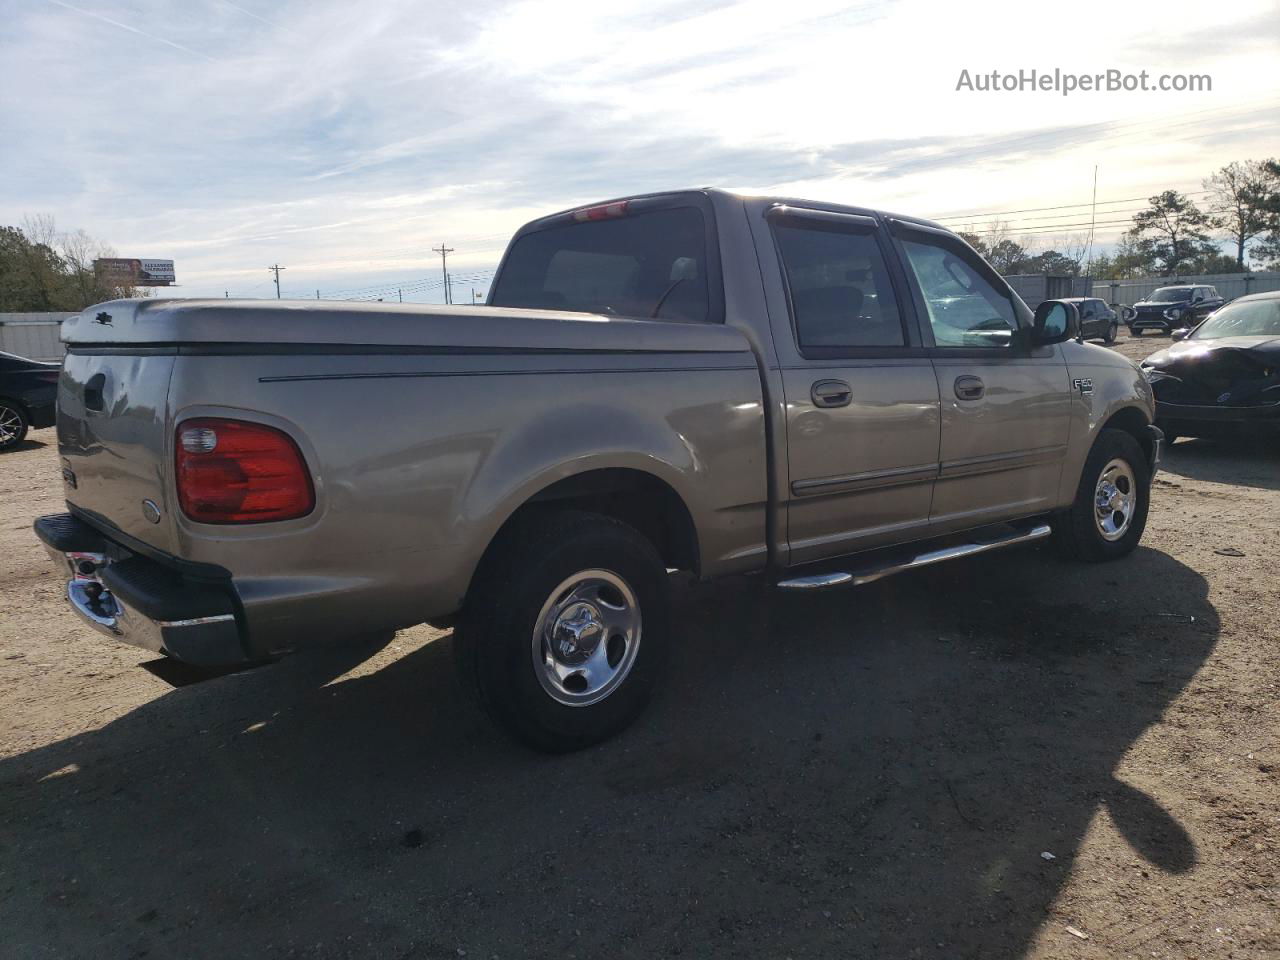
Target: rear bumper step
column 878, row 571
column 138, row 601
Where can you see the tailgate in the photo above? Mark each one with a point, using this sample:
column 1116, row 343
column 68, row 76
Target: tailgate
column 113, row 438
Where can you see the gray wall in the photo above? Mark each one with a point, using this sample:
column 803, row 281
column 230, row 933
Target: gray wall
column 1230, row 285
column 33, row 335
column 1035, row 288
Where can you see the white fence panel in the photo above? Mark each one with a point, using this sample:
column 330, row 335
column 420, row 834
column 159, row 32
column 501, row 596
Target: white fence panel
column 33, row 335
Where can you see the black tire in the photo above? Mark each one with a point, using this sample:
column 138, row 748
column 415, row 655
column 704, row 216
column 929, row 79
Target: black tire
column 1077, row 530
column 494, row 640
column 1110, row 336
column 14, row 424
column 1133, row 332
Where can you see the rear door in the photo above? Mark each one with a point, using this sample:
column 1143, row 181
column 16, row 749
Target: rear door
column 861, row 397
column 1005, row 407
column 1089, row 318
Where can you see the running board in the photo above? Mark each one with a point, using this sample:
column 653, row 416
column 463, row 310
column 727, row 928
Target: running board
column 826, row 581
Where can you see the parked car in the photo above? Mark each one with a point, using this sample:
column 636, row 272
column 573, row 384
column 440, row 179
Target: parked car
column 28, row 395
column 1172, row 308
column 1224, row 375
column 692, row 381
column 1097, row 320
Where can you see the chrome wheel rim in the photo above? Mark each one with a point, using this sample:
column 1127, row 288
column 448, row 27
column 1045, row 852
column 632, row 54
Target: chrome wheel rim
column 10, row 425
column 1114, row 499
column 586, row 637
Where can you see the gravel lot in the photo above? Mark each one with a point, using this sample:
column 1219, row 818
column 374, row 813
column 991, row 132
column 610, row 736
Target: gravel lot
column 1010, row 756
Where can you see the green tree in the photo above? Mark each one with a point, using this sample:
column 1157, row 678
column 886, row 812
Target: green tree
column 1238, row 200
column 44, row 270
column 1052, row 262
column 1171, row 231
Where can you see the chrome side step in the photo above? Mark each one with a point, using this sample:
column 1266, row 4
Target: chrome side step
column 856, row 578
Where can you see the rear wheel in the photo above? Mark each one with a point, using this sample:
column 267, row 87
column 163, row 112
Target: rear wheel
column 1110, row 510
column 565, row 632
column 13, row 424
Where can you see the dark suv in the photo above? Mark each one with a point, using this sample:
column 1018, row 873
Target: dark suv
column 1097, row 320
column 1171, row 308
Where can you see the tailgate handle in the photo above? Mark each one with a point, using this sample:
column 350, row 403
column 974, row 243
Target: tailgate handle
column 93, row 388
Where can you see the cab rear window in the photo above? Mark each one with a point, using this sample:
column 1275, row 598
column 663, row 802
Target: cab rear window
column 647, row 264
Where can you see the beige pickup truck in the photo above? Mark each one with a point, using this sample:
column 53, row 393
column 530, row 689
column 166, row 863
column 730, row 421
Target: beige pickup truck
column 694, row 381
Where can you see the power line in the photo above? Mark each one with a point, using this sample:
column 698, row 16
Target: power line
column 1065, row 206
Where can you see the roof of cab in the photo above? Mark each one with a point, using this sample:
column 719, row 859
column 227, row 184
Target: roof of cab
column 825, row 205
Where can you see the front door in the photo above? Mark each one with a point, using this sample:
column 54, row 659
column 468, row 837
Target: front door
column 1005, row 407
column 861, row 395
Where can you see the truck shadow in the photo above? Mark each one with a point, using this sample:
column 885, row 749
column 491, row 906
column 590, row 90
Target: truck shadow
column 871, row 773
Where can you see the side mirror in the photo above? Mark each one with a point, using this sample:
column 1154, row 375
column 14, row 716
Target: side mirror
column 1056, row 321
column 1182, row 333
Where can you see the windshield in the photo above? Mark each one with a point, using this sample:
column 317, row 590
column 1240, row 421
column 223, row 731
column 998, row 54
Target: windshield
column 645, row 264
column 1251, row 318
column 1167, row 294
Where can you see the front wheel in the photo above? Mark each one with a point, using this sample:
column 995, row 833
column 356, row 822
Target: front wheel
column 1109, row 514
column 565, row 631
column 13, row 424
column 1112, row 330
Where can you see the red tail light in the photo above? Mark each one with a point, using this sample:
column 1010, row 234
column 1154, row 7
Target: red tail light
column 233, row 471
column 604, row 211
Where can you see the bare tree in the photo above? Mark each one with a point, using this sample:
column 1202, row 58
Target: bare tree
column 40, row 259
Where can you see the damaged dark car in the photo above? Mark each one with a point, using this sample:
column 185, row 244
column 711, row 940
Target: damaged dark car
column 1223, row 377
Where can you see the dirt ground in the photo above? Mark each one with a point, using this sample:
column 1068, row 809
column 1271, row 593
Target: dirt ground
column 1010, row 756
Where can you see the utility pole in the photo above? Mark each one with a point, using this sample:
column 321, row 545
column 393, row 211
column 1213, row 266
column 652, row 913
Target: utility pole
column 317, row 294
column 400, row 294
column 444, row 268
column 276, row 268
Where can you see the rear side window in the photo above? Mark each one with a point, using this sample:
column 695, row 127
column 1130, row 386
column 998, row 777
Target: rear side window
column 644, row 264
column 840, row 290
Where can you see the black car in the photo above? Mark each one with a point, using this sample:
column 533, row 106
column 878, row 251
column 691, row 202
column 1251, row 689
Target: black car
column 1171, row 308
column 1223, row 376
column 1097, row 320
column 28, row 391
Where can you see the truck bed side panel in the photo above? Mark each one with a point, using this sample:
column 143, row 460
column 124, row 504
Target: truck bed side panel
column 419, row 459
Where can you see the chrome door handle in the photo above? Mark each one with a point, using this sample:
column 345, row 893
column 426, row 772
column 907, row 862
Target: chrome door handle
column 831, row 393
column 970, row 388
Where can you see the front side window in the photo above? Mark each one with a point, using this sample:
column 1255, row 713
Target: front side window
column 648, row 264
column 965, row 309
column 841, row 295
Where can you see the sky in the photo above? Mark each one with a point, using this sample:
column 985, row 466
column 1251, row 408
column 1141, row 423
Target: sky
column 344, row 140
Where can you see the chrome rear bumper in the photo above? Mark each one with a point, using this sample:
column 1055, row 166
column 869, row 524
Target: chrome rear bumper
column 134, row 600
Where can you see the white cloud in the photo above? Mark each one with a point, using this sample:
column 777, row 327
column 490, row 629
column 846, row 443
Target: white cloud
column 345, row 140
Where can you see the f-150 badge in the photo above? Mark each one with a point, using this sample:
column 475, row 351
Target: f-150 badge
column 1085, row 386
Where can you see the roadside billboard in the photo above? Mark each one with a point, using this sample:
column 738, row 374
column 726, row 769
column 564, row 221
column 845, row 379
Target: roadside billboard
column 126, row 272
